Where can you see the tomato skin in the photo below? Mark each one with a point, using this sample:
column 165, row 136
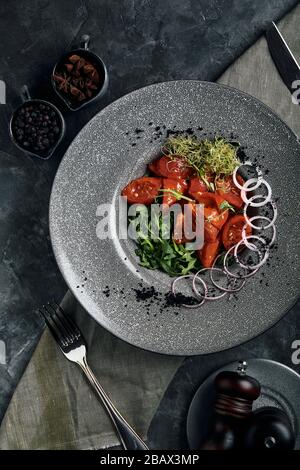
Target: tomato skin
column 232, row 231
column 216, row 218
column 207, row 199
column 230, row 192
column 152, row 168
column 209, row 252
column 177, row 185
column 179, row 235
column 174, row 168
column 197, row 187
column 210, row 232
column 142, row 190
column 181, row 232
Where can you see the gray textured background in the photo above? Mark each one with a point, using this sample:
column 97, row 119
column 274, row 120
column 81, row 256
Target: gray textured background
column 142, row 42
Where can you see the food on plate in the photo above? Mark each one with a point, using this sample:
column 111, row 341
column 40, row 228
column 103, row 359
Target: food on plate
column 192, row 172
column 142, row 190
column 232, row 231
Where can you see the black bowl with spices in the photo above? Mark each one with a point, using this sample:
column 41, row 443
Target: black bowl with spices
column 80, row 76
column 37, row 126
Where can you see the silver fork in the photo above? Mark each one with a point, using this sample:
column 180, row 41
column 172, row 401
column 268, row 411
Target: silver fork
column 72, row 344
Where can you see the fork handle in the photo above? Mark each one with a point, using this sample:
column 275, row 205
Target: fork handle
column 128, row 437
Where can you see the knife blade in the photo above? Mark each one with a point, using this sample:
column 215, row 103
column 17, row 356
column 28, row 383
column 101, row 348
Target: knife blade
column 283, row 58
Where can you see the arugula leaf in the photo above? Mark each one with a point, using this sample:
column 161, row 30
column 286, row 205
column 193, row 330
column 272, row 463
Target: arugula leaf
column 165, row 255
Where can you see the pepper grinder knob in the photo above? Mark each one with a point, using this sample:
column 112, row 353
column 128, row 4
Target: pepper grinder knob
column 241, row 369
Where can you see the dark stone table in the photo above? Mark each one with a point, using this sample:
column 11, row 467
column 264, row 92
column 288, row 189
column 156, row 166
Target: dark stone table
column 142, row 42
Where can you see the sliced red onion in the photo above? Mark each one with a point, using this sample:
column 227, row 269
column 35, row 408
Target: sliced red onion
column 263, row 258
column 196, row 276
column 237, row 276
column 257, row 181
column 267, row 198
column 272, row 222
column 198, row 294
column 225, row 289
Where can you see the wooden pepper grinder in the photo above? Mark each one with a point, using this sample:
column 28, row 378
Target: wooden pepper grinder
column 236, row 392
column 269, row 428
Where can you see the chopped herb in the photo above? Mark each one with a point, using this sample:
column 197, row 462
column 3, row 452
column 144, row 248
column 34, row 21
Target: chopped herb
column 177, row 195
column 225, row 205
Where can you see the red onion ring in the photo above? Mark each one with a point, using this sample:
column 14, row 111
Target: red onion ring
column 198, row 295
column 258, row 179
column 196, row 276
column 246, row 187
column 246, row 276
column 272, row 222
column 225, row 289
column 262, row 261
column 267, row 198
column 271, row 243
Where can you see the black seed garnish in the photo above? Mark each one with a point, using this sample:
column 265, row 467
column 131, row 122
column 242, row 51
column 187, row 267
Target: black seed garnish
column 179, row 299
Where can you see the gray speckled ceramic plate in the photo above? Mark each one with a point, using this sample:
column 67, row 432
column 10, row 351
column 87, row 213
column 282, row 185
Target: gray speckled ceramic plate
column 113, row 148
column 280, row 387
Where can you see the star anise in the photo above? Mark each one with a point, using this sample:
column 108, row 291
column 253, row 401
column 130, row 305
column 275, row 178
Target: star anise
column 63, row 82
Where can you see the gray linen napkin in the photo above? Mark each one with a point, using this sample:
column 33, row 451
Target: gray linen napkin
column 54, row 407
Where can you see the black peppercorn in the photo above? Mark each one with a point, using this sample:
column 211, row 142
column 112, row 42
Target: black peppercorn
column 36, row 127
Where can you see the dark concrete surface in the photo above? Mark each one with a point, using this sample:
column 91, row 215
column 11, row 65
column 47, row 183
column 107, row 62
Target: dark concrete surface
column 142, row 42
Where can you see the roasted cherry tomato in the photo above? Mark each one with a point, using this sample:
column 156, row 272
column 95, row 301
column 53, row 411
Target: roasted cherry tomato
column 175, row 167
column 210, row 232
column 179, row 186
column 207, row 199
column 215, row 217
column 209, row 252
column 229, row 191
column 183, row 232
column 197, row 187
column 232, row 231
column 179, row 235
column 152, row 168
column 142, row 190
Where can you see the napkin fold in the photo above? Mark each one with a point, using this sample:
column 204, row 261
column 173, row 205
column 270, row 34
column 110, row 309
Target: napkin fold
column 55, row 408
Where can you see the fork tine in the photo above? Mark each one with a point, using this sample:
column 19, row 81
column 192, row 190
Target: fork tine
column 72, row 327
column 53, row 328
column 60, row 322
